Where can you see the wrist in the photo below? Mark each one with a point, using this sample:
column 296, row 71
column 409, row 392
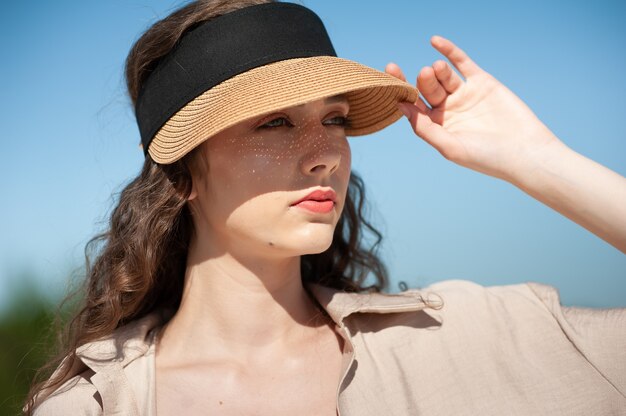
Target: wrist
column 545, row 158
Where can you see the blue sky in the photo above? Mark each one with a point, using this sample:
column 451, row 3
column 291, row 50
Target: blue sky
column 69, row 139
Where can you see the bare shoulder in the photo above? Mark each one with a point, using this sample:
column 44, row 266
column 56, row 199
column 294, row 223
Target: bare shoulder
column 77, row 396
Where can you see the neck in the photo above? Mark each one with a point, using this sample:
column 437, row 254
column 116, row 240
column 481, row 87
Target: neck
column 248, row 304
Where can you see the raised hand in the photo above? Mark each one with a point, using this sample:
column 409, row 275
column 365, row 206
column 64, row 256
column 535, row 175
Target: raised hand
column 480, row 124
column 477, row 122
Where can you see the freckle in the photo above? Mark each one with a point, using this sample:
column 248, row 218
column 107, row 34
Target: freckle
column 221, row 402
column 270, row 244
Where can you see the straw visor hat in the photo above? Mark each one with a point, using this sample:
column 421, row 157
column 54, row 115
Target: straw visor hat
column 251, row 62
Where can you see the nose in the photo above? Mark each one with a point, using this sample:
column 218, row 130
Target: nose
column 323, row 157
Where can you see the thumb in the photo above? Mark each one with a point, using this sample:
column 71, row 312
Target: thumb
column 431, row 132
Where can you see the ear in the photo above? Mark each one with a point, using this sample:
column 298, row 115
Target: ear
column 194, row 191
column 197, row 167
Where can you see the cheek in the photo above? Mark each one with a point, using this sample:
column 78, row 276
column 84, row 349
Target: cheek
column 342, row 174
column 240, row 180
column 257, row 215
column 267, row 222
column 255, row 162
column 346, row 155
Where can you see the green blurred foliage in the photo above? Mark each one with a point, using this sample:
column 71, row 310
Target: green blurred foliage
column 27, row 338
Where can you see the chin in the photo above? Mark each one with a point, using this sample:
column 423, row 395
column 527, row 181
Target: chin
column 318, row 248
column 314, row 242
column 317, row 239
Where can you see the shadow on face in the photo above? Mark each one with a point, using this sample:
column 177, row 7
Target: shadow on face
column 252, row 173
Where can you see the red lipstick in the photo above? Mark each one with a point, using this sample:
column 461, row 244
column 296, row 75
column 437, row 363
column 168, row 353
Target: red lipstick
column 318, row 201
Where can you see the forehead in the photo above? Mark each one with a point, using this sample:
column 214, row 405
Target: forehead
column 340, row 98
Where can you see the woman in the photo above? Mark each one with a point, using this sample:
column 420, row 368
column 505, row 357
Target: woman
column 228, row 281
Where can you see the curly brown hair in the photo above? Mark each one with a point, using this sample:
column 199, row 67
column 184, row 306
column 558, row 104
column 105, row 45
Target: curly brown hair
column 148, row 237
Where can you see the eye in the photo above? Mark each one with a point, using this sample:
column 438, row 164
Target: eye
column 340, row 121
column 277, row 122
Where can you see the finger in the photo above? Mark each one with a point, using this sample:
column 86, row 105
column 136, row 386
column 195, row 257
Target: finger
column 393, row 69
column 422, row 106
column 430, row 87
column 459, row 59
column 431, row 132
column 449, row 80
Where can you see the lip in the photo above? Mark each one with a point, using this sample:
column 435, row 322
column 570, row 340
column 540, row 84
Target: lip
column 318, row 201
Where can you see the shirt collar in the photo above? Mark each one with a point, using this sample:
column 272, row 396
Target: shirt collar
column 123, row 346
column 131, row 341
column 340, row 305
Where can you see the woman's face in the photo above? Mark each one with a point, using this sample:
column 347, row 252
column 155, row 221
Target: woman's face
column 247, row 199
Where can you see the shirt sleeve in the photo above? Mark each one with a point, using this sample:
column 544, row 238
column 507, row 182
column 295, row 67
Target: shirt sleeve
column 76, row 397
column 599, row 334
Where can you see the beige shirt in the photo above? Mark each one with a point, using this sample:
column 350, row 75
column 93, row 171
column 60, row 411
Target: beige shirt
column 455, row 348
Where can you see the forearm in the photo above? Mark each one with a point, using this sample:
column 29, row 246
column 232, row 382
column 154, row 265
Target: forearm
column 584, row 191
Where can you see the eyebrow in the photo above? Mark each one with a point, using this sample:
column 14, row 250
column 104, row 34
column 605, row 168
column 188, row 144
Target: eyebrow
column 336, row 98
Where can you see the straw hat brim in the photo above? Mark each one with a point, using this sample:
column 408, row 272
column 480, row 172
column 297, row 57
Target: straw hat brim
column 372, row 96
